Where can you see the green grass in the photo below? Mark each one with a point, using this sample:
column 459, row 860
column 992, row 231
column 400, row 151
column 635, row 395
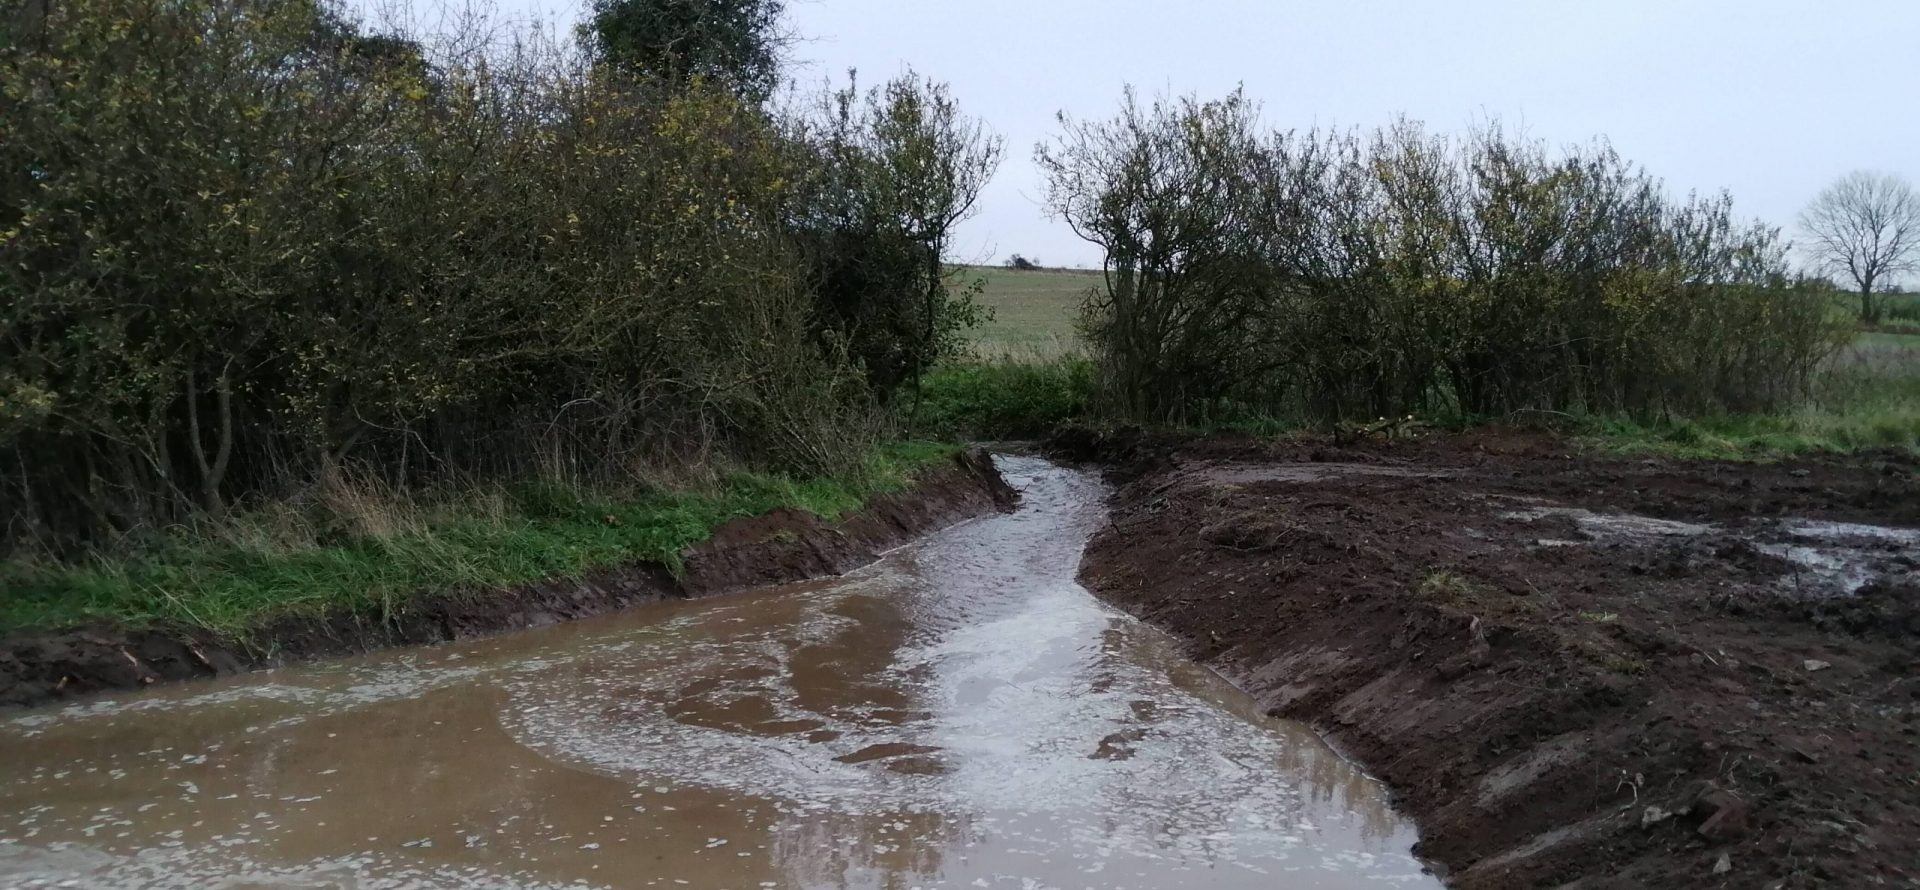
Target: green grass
column 1885, row 341
column 1759, row 437
column 1003, row 400
column 231, row 578
column 1868, row 399
column 1033, row 311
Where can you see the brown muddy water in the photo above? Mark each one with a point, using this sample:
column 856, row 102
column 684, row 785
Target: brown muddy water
column 960, row 714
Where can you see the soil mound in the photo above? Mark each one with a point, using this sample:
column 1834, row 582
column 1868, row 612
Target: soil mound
column 1574, row 671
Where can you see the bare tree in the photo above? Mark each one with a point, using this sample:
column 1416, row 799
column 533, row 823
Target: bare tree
column 1164, row 188
column 1867, row 226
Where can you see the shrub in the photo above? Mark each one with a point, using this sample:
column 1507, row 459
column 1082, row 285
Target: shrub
column 1003, row 401
column 1162, row 189
column 247, row 246
column 1358, row 275
column 732, row 42
column 886, row 175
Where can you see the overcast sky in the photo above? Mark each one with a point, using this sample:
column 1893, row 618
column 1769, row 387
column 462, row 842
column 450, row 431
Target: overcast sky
column 1766, row 98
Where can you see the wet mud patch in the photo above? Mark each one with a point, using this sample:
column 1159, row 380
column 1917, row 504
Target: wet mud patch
column 1573, row 670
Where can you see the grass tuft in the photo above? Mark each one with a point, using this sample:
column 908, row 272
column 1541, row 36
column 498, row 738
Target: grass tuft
column 372, row 551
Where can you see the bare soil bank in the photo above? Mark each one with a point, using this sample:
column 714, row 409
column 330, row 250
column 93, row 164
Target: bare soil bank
column 778, row 547
column 1573, row 671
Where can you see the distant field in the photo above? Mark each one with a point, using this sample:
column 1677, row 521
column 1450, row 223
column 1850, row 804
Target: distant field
column 1883, row 340
column 1033, row 312
column 1889, row 352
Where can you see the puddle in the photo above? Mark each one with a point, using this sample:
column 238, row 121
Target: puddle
column 1845, row 555
column 1843, row 531
column 960, row 714
column 1615, row 525
column 1828, row 557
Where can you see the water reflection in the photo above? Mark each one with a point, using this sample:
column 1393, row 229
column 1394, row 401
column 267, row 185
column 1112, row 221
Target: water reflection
column 961, row 714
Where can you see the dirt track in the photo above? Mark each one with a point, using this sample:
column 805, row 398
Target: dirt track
column 1573, row 671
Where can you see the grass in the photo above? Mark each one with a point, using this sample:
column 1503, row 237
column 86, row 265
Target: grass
column 1003, row 400
column 373, row 554
column 1884, row 341
column 1863, row 402
column 1034, row 311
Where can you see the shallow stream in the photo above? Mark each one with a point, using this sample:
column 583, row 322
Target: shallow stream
column 960, row 714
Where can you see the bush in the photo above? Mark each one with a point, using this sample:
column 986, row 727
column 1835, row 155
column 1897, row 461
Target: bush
column 1352, row 276
column 247, row 247
column 1901, row 309
column 732, row 42
column 1003, row 401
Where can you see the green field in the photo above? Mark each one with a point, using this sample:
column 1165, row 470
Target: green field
column 1881, row 341
column 1033, row 311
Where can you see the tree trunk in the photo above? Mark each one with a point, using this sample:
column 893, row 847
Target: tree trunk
column 213, row 467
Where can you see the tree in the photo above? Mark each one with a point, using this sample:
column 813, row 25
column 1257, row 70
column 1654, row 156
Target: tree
column 894, row 170
column 1866, row 227
column 736, row 42
column 1162, row 189
column 1348, row 276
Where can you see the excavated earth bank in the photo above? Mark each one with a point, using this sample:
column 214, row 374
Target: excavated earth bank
column 1574, row 671
column 778, row 547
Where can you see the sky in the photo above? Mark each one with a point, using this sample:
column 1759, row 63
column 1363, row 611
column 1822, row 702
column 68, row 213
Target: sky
column 1769, row 100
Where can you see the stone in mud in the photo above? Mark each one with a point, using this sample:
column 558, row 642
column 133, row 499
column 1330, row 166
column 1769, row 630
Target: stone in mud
column 1118, row 746
column 1247, row 531
column 1654, row 815
column 1723, row 814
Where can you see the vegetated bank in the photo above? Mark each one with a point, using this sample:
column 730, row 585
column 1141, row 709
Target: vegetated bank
column 72, row 631
column 305, row 316
column 1574, row 670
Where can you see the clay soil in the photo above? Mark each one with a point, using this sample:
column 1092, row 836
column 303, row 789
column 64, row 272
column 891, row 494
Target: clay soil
column 1681, row 686
column 774, row 548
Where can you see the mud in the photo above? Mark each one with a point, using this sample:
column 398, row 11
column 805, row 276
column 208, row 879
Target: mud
column 1573, row 671
column 959, row 714
column 779, row 547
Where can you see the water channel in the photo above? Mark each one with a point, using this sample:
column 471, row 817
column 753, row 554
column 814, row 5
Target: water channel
column 959, row 714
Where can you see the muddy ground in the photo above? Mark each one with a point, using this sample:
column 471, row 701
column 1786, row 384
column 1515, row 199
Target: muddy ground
column 778, row 547
column 1579, row 671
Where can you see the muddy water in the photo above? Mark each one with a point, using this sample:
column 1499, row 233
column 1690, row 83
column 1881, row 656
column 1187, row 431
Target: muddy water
column 961, row 714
